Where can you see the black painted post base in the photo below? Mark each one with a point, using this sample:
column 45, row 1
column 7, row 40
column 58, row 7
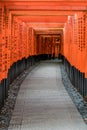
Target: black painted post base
column 77, row 78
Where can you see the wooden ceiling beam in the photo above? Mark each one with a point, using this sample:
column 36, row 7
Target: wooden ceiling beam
column 45, row 5
column 45, row 19
column 42, row 13
column 49, row 31
column 45, row 25
column 54, row 8
column 45, row 2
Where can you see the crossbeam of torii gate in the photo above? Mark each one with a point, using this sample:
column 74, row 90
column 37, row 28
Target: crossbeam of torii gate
column 46, row 11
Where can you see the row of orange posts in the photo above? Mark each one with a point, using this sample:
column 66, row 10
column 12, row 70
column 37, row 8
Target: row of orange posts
column 75, row 41
column 17, row 41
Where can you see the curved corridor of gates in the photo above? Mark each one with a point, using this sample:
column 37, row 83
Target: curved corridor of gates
column 43, row 103
column 36, row 30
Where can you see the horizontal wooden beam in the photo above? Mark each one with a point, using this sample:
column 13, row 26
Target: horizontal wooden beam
column 45, row 19
column 57, row 8
column 45, row 25
column 42, row 13
column 45, row 2
column 48, row 31
column 45, row 5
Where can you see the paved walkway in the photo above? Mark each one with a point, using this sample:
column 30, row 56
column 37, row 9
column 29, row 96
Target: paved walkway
column 44, row 104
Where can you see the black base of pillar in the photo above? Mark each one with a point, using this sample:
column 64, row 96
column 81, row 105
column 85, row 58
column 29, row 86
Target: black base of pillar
column 14, row 71
column 77, row 78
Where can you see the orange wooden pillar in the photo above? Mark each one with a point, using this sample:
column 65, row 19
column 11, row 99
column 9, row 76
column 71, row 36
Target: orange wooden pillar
column 37, row 44
column 74, row 40
column 3, row 45
column 70, row 37
column 30, row 41
column 86, row 46
column 81, row 42
column 66, row 41
column 27, row 42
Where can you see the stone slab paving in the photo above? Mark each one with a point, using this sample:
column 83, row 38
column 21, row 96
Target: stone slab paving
column 44, row 104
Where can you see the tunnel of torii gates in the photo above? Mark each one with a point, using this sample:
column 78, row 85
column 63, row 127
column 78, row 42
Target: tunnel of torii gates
column 32, row 30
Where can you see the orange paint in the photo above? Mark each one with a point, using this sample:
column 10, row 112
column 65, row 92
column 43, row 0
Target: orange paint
column 21, row 35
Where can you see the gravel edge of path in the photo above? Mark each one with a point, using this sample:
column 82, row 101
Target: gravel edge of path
column 78, row 100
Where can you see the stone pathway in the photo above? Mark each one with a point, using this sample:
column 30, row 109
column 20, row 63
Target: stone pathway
column 44, row 104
